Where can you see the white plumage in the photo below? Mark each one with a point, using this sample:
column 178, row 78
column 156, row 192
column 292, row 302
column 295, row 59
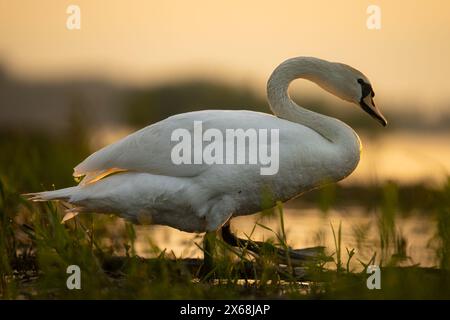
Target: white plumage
column 136, row 178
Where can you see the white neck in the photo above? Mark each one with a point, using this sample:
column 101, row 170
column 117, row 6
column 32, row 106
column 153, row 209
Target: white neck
column 317, row 71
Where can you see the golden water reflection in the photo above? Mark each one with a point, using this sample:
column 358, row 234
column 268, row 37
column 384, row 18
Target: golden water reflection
column 305, row 228
column 405, row 157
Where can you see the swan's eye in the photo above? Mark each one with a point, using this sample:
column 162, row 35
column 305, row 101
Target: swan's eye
column 366, row 89
column 373, row 94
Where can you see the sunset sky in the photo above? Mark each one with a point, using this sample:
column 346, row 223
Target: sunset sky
column 144, row 42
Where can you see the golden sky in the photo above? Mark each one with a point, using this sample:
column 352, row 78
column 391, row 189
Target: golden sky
column 408, row 60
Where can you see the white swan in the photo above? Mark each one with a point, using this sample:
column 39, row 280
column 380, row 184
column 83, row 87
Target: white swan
column 148, row 187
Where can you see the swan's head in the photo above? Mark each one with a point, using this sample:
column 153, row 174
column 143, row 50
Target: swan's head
column 366, row 101
column 353, row 86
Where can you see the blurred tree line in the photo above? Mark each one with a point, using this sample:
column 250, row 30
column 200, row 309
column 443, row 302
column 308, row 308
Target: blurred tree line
column 154, row 104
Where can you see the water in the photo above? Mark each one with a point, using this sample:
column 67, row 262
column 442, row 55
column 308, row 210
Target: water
column 405, row 157
column 305, row 228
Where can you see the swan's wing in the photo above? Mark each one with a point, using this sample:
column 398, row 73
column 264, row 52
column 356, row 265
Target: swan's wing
column 149, row 149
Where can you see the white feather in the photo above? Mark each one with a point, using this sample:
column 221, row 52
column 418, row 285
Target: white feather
column 314, row 149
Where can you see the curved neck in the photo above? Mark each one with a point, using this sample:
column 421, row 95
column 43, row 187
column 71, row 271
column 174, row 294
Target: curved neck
column 317, row 71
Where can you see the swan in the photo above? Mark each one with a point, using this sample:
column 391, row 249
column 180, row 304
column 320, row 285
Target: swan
column 136, row 178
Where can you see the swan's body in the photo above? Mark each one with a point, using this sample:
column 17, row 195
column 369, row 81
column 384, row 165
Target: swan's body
column 149, row 188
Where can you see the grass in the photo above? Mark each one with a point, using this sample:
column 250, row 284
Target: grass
column 36, row 249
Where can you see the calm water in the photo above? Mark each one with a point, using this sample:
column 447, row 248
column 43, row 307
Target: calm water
column 306, row 227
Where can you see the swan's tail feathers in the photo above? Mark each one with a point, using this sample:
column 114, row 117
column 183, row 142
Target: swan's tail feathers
column 61, row 194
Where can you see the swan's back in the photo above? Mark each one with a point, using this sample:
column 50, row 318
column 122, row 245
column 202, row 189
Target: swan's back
column 149, row 149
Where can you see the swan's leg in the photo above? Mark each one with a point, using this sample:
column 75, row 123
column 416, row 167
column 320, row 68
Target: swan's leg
column 208, row 254
column 234, row 241
column 297, row 256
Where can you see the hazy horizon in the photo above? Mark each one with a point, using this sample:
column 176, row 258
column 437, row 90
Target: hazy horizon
column 152, row 42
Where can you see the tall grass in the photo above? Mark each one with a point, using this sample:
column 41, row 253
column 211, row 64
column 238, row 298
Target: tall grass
column 36, row 249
